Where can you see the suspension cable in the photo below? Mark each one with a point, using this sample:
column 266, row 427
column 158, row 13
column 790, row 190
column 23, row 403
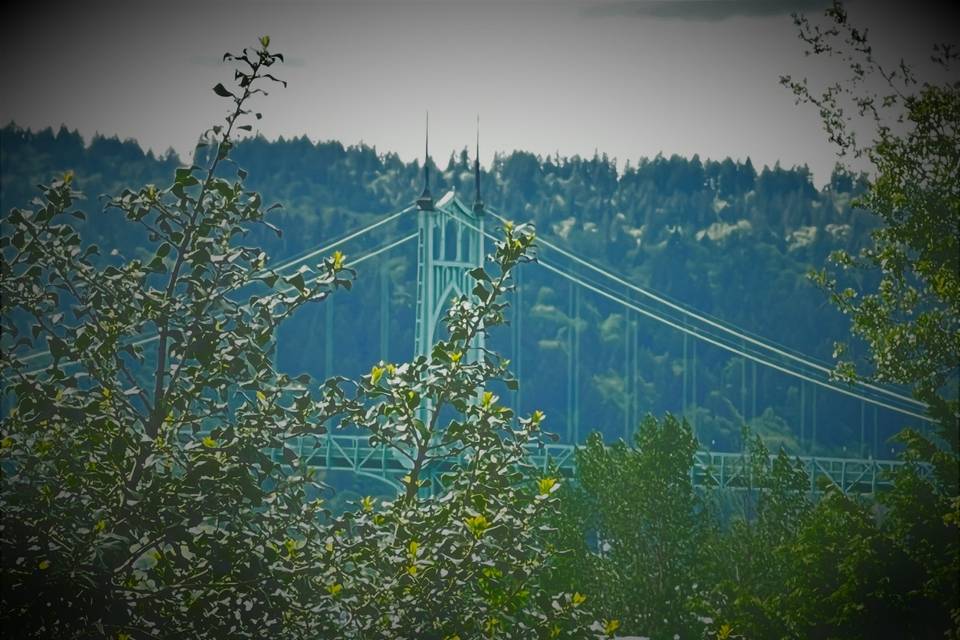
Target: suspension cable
column 350, row 263
column 715, row 340
column 733, row 331
column 732, row 349
column 282, row 266
column 370, row 227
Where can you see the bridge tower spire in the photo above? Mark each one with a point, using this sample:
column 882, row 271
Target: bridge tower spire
column 450, row 245
column 425, row 201
column 477, row 201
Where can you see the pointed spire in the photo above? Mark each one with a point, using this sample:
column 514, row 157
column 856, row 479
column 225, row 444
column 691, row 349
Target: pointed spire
column 425, row 201
column 477, row 201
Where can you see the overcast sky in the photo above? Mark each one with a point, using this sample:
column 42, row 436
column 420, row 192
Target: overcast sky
column 629, row 78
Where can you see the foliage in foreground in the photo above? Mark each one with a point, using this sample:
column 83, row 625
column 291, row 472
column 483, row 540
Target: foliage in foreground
column 911, row 319
column 150, row 487
column 784, row 566
column 465, row 561
column 138, row 497
column 631, row 520
column 768, row 560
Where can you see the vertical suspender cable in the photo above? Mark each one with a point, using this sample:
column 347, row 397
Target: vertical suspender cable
column 693, row 388
column 876, row 443
column 803, row 410
column 384, row 312
column 328, row 338
column 683, row 403
column 570, row 330
column 863, row 411
column 576, row 368
column 813, row 426
column 743, row 384
column 627, row 388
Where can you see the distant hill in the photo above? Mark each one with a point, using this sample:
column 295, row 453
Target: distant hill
column 721, row 236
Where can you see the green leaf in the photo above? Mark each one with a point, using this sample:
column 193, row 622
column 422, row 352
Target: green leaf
column 222, row 91
column 58, row 348
column 481, row 292
column 297, row 281
column 480, row 274
column 118, row 447
column 270, row 280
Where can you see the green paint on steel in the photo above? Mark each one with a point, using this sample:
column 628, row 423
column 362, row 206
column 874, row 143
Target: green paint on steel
column 710, row 469
column 449, row 247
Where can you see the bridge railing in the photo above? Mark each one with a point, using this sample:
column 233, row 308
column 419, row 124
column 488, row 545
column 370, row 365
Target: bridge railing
column 711, row 469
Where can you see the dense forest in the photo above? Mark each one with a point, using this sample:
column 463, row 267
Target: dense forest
column 718, row 236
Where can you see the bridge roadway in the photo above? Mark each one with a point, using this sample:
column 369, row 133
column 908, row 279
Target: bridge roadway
column 335, row 452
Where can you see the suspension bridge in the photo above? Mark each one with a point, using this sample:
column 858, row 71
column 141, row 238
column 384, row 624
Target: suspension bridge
column 451, row 239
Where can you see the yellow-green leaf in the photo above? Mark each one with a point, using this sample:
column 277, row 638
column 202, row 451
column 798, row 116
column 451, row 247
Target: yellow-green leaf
column 477, row 524
column 546, row 485
column 487, row 399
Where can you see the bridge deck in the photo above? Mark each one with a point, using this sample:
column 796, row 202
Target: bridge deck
column 353, row 453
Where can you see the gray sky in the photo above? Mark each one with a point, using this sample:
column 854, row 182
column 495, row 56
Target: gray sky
column 630, row 78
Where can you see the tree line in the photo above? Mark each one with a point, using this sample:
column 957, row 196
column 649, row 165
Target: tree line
column 718, row 236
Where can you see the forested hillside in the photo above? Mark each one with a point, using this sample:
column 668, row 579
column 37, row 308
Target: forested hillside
column 719, row 236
